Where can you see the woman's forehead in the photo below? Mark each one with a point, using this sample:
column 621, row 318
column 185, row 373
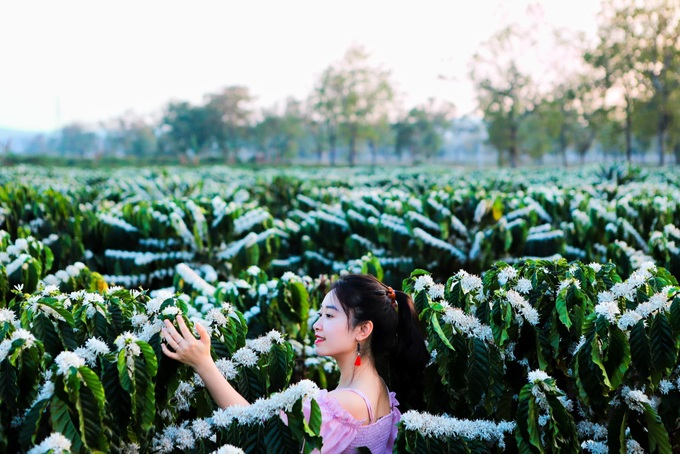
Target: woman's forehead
column 331, row 300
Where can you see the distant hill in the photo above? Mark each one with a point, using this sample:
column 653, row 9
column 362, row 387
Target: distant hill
column 18, row 139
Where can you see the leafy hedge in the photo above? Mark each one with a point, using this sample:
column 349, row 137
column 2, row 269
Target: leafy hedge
column 540, row 356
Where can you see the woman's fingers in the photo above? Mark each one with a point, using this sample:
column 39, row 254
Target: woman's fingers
column 203, row 334
column 169, row 353
column 183, row 327
column 171, row 332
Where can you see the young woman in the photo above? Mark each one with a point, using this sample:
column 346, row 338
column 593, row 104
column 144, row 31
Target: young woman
column 372, row 332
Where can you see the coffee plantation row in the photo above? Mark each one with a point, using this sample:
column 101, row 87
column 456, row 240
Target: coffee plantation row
column 549, row 300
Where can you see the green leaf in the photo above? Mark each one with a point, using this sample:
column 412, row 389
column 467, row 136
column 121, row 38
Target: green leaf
column 44, row 330
column 315, row 417
column 477, row 373
column 9, row 389
column 32, row 422
column 617, row 357
column 434, row 322
column 639, row 348
column 123, row 373
column 662, row 343
column 277, row 437
column 658, row 436
column 149, row 358
column 562, row 310
column 279, row 366
column 90, row 409
column 526, row 432
column 675, row 315
column 60, row 420
column 616, row 429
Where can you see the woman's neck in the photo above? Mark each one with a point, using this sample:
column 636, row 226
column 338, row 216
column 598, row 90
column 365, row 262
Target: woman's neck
column 351, row 376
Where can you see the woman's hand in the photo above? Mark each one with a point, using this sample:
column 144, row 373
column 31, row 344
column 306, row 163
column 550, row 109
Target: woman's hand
column 185, row 347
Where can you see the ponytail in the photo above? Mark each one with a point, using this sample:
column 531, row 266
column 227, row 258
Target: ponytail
column 397, row 344
column 409, row 356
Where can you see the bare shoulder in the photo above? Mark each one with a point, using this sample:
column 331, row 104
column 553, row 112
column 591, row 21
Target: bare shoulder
column 352, row 402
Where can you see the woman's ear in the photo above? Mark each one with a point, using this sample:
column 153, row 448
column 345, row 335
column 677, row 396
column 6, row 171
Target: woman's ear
column 364, row 330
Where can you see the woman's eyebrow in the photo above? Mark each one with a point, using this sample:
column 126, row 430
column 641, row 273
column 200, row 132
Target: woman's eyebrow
column 330, row 306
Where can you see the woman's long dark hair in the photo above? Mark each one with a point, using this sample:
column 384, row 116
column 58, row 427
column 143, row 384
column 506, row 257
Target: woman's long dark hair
column 397, row 346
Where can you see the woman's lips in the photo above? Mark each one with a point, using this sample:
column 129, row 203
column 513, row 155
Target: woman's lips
column 319, row 340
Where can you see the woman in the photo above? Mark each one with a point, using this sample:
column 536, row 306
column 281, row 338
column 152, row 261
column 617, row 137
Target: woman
column 372, row 332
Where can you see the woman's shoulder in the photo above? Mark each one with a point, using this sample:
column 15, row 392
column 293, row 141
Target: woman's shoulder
column 351, row 402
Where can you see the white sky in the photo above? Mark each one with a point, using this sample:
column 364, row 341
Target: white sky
column 88, row 61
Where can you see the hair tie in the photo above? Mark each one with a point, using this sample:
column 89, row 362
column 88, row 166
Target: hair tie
column 392, row 296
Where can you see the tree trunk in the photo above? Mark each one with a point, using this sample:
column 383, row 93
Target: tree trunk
column 629, row 131
column 661, row 137
column 374, row 152
column 512, row 149
column 331, row 148
column 319, row 152
column 352, row 149
column 563, row 148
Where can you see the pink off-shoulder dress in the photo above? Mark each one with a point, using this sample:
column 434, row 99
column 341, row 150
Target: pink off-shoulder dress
column 342, row 433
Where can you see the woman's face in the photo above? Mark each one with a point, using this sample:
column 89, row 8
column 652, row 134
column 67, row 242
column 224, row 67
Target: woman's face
column 334, row 337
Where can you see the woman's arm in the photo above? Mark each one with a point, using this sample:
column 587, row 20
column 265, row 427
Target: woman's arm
column 196, row 353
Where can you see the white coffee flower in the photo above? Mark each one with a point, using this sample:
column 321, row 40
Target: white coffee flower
column 423, row 282
column 537, row 376
column 523, row 285
column 228, row 449
column 245, row 357
column 506, row 274
column 436, row 291
column 66, row 360
column 608, row 310
column 56, row 443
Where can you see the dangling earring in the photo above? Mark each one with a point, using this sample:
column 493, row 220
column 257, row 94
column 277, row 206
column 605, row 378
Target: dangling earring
column 357, row 362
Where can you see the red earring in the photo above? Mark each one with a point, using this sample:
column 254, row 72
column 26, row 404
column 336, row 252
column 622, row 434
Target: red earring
column 357, row 362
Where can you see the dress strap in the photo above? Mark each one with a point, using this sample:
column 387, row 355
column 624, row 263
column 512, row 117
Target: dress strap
column 368, row 403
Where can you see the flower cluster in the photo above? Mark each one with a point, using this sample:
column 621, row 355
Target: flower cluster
column 468, row 282
column 192, row 278
column 508, row 273
column 442, row 427
column 65, row 275
column 19, row 333
column 249, row 355
column 116, row 222
column 228, row 449
column 128, row 341
column 263, row 409
column 469, row 325
column 66, row 360
column 423, row 282
column 93, row 348
column 56, row 443
column 635, row 399
column 522, row 306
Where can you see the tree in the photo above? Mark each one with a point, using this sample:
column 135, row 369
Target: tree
column 186, row 129
column 228, row 113
column 505, row 93
column 130, row 134
column 657, row 34
column 77, row 139
column 430, row 121
column 352, row 95
column 640, row 60
column 326, row 105
column 279, row 135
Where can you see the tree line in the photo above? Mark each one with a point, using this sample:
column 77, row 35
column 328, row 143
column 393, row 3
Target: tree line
column 619, row 95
